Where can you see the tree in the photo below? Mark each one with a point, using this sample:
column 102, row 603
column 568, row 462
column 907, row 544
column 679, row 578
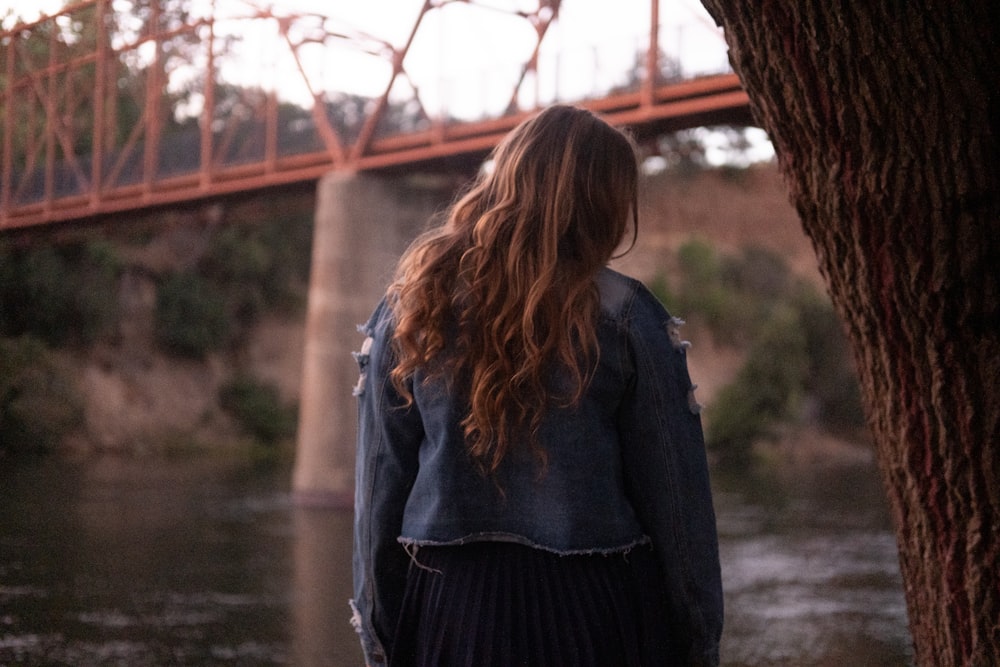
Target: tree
column 99, row 65
column 885, row 117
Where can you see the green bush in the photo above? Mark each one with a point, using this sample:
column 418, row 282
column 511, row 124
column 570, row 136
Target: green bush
column 702, row 292
column 247, row 270
column 732, row 295
column 96, row 299
column 832, row 380
column 257, row 408
column 767, row 390
column 67, row 294
column 61, row 294
column 661, row 289
column 39, row 403
column 797, row 349
column 191, row 315
column 260, row 266
column 698, row 263
column 239, row 263
column 39, row 297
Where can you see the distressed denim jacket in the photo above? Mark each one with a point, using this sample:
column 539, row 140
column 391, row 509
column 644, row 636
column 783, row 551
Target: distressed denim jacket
column 625, row 466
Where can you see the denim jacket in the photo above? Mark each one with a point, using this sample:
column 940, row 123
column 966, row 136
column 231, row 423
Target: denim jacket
column 625, row 466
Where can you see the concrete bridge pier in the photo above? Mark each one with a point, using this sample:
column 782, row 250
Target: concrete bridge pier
column 363, row 223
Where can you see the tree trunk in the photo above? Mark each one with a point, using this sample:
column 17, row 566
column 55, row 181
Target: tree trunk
column 884, row 116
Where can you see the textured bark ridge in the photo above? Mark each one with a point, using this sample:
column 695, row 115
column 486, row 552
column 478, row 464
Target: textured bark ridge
column 886, row 120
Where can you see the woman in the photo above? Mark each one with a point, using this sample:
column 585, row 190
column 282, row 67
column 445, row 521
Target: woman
column 531, row 478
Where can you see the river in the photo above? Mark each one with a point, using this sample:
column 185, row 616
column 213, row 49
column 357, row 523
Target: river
column 208, row 562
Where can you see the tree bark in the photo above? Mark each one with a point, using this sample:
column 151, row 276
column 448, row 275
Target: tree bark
column 885, row 119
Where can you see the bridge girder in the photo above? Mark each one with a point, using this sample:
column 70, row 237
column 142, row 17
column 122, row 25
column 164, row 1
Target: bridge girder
column 93, row 121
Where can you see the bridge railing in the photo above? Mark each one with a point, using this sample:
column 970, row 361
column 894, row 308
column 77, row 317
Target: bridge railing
column 106, row 110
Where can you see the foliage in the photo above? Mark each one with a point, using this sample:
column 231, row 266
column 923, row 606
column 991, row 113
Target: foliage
column 706, row 289
column 258, row 409
column 259, row 266
column 831, row 378
column 798, row 357
column 65, row 294
column 767, row 390
column 731, row 149
column 191, row 318
column 46, row 42
column 248, row 269
column 39, row 404
column 669, row 70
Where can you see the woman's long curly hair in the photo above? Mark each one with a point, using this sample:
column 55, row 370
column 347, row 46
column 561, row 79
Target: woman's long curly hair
column 503, row 294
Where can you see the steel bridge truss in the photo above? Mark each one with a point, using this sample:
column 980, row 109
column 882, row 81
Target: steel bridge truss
column 105, row 111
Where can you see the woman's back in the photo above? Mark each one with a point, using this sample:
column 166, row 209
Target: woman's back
column 525, row 413
column 571, row 501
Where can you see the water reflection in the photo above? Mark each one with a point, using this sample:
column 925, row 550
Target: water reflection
column 203, row 562
column 810, row 571
column 322, row 585
column 169, row 563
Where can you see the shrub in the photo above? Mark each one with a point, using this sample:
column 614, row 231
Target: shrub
column 59, row 294
column 767, row 389
column 96, row 295
column 259, row 266
column 38, row 299
column 246, row 270
column 238, row 263
column 832, row 380
column 257, row 408
column 700, row 291
column 39, row 404
column 191, row 316
column 797, row 346
column 707, row 291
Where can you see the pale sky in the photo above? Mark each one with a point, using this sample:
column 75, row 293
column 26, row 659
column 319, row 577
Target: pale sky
column 465, row 57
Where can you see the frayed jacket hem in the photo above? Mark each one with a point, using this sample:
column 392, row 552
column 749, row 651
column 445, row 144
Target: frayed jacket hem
column 411, row 543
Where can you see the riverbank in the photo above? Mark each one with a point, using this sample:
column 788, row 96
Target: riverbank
column 139, row 398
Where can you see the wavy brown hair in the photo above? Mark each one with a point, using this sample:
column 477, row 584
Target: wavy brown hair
column 503, row 294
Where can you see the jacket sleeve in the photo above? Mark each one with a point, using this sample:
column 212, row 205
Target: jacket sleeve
column 389, row 436
column 667, row 477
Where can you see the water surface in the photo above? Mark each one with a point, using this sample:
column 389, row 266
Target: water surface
column 204, row 562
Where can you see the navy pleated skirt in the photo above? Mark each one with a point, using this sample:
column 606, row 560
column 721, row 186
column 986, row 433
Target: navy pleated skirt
column 499, row 604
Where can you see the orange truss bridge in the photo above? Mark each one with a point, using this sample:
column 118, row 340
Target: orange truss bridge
column 115, row 106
